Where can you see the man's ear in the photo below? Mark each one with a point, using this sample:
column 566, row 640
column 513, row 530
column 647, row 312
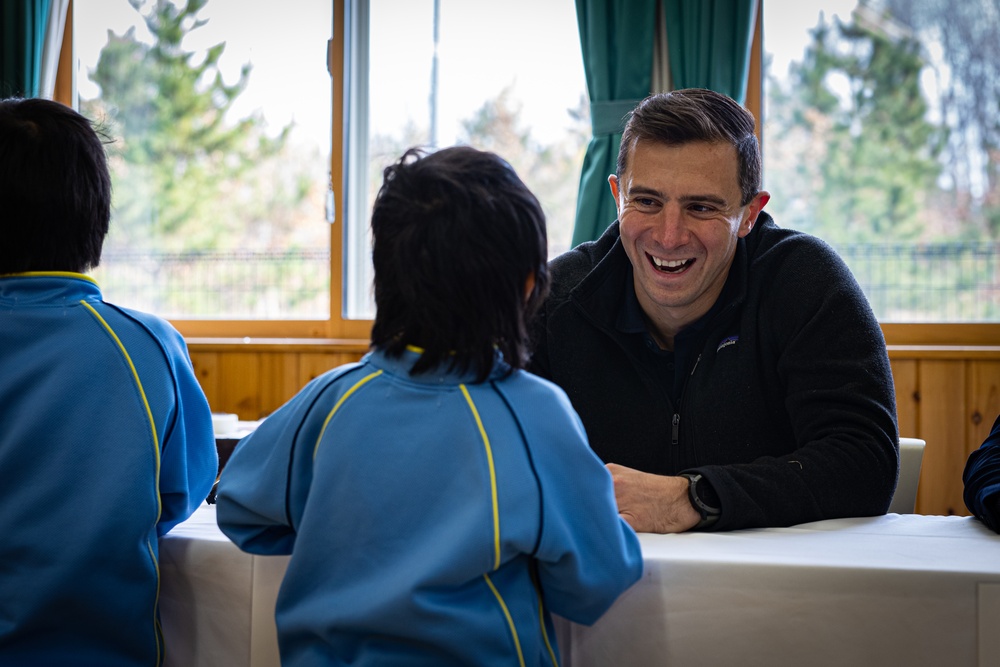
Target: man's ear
column 753, row 209
column 613, row 182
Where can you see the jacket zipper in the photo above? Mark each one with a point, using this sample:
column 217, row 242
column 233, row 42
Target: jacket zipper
column 675, row 430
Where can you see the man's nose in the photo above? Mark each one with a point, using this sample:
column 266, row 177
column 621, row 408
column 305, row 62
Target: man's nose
column 671, row 230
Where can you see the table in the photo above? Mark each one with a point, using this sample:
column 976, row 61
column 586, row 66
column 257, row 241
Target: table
column 893, row 590
column 216, row 602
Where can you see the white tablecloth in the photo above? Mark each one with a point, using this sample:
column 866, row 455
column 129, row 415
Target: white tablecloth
column 216, row 602
column 894, row 590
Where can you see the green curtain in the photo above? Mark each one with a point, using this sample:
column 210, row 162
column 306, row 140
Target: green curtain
column 22, row 37
column 616, row 38
column 709, row 43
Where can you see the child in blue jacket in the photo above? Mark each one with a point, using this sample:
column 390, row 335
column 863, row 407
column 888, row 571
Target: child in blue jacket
column 438, row 501
column 106, row 438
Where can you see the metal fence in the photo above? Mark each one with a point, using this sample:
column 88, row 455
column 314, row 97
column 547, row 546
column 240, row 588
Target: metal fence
column 289, row 284
column 941, row 282
column 946, row 282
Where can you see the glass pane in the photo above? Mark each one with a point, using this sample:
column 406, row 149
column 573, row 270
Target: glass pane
column 220, row 120
column 500, row 76
column 881, row 137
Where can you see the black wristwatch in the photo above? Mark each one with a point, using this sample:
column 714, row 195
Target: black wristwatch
column 709, row 514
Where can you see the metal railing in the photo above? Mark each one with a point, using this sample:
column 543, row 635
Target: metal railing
column 944, row 282
column 940, row 282
column 288, row 284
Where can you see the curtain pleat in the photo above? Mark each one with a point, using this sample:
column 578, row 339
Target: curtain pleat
column 616, row 40
column 709, row 42
column 23, row 24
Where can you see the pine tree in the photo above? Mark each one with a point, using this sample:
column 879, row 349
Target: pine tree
column 175, row 154
column 856, row 102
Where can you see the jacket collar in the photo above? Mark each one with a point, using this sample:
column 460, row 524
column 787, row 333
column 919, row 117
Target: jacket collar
column 441, row 376
column 47, row 287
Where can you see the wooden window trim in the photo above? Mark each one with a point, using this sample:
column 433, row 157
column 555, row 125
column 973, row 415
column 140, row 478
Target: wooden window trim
column 337, row 326
column 65, row 71
column 755, row 74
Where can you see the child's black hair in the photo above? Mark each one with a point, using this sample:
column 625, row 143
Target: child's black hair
column 457, row 236
column 55, row 188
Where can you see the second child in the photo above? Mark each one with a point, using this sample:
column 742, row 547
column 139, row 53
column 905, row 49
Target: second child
column 438, row 502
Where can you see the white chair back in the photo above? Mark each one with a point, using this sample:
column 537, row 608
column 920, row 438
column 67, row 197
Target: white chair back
column 911, row 454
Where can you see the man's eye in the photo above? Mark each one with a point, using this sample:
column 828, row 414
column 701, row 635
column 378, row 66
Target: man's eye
column 701, row 208
column 645, row 202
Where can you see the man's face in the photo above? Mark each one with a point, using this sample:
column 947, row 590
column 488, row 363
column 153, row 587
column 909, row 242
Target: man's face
column 680, row 214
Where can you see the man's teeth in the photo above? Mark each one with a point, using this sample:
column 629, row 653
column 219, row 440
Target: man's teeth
column 669, row 264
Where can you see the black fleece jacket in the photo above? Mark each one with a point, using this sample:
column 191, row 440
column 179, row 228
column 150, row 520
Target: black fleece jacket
column 787, row 407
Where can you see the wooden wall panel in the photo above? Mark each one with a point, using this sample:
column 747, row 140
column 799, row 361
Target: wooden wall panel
column 255, row 383
column 983, row 401
column 942, row 424
column 278, row 374
column 206, row 369
column 905, row 376
column 239, row 390
column 314, row 364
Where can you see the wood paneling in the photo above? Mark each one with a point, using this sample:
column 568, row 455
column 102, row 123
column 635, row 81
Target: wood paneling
column 948, row 396
column 941, row 422
column 253, row 377
column 905, row 376
column 240, row 385
column 206, row 369
column 983, row 401
column 279, row 380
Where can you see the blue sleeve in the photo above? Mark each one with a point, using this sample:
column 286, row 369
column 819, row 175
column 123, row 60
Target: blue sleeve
column 189, row 460
column 982, row 480
column 587, row 554
column 263, row 488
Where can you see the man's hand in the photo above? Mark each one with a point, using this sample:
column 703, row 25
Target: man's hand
column 653, row 503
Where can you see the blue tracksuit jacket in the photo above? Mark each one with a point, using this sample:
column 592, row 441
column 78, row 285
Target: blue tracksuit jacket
column 430, row 521
column 105, row 443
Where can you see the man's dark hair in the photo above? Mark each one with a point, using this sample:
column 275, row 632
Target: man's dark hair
column 55, row 188
column 456, row 236
column 696, row 114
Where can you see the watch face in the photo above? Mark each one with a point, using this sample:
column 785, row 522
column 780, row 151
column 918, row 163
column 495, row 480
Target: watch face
column 695, row 491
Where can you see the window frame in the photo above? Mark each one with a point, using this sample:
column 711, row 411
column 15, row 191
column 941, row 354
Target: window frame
column 350, row 331
column 900, row 335
column 335, row 327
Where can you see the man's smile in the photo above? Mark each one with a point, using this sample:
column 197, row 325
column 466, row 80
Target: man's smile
column 670, row 265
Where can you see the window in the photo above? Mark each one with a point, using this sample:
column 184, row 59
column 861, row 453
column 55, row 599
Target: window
column 500, row 76
column 221, row 128
column 911, row 202
column 223, row 197
column 880, row 136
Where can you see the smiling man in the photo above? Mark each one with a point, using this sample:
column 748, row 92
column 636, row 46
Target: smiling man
column 730, row 372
